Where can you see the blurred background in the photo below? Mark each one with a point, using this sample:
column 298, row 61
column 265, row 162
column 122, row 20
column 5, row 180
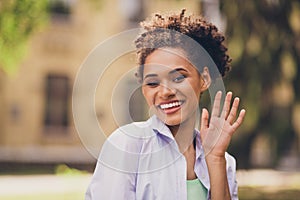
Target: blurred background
column 43, row 43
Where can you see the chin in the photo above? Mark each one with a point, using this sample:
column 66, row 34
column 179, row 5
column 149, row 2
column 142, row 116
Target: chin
column 171, row 121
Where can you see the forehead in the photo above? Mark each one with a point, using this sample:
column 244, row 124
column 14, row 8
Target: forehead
column 160, row 55
column 167, row 59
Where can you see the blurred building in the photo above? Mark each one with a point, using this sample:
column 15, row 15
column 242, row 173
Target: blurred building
column 36, row 124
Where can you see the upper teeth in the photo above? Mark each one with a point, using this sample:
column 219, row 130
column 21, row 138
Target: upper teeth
column 170, row 105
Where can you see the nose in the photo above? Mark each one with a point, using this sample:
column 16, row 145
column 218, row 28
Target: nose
column 166, row 92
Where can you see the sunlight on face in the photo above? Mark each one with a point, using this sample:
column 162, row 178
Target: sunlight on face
column 172, row 85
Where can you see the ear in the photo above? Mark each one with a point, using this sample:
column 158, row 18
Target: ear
column 206, row 79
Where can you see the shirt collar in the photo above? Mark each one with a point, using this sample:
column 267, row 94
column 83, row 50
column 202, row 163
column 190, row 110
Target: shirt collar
column 159, row 127
column 199, row 148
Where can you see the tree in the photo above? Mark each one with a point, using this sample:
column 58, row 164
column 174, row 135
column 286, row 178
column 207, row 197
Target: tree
column 263, row 39
column 18, row 20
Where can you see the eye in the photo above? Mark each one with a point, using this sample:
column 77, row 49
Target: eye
column 179, row 78
column 152, row 84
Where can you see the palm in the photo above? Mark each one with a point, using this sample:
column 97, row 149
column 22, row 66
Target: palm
column 216, row 133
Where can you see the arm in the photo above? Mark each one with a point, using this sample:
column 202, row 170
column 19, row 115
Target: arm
column 216, row 134
column 110, row 184
column 219, row 188
column 115, row 173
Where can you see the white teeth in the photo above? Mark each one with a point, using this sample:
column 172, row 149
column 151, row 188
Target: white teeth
column 170, row 105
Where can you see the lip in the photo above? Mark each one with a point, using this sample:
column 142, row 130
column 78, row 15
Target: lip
column 170, row 107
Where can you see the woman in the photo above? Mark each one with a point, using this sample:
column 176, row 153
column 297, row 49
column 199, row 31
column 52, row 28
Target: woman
column 165, row 157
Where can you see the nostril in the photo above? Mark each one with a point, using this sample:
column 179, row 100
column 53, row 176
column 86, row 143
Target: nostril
column 167, row 92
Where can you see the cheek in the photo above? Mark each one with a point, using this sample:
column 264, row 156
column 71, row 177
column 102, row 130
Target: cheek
column 196, row 88
column 148, row 96
column 192, row 89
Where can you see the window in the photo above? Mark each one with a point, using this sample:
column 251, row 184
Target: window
column 60, row 9
column 57, row 101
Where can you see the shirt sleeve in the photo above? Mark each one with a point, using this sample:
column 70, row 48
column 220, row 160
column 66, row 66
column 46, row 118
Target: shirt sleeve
column 231, row 176
column 115, row 173
column 109, row 184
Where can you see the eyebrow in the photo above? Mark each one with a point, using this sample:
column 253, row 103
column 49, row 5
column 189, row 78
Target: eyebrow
column 150, row 75
column 177, row 70
column 171, row 72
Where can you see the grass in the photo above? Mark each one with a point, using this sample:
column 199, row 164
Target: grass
column 76, row 182
column 263, row 193
column 64, row 183
column 245, row 193
column 66, row 196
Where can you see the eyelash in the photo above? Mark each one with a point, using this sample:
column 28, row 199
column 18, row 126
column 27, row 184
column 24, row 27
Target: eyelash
column 178, row 79
column 152, row 84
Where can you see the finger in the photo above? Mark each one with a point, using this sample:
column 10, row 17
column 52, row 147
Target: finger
column 232, row 115
column 226, row 106
column 204, row 119
column 239, row 120
column 216, row 106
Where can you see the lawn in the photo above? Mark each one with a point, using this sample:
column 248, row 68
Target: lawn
column 269, row 193
column 245, row 193
column 64, row 196
column 71, row 185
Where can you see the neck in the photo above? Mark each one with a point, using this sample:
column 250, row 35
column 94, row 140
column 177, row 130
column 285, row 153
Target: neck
column 184, row 133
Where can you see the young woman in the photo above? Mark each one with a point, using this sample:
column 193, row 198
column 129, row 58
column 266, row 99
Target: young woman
column 165, row 157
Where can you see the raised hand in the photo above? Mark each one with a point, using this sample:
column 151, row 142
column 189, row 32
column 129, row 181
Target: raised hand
column 216, row 133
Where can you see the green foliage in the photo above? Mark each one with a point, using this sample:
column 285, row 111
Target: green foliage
column 65, row 170
column 262, row 39
column 18, row 20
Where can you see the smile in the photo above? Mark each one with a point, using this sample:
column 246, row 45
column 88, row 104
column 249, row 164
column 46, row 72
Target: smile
column 170, row 105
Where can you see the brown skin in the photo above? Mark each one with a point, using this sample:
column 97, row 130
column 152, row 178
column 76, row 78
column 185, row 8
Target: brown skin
column 225, row 124
column 169, row 77
column 170, row 80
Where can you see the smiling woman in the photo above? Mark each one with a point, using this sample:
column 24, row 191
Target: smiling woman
column 172, row 86
column 165, row 157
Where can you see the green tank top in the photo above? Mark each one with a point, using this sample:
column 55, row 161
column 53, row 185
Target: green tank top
column 195, row 190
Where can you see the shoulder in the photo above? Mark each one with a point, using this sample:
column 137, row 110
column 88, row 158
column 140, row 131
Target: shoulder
column 230, row 160
column 122, row 149
column 132, row 131
column 130, row 137
column 230, row 166
column 231, row 175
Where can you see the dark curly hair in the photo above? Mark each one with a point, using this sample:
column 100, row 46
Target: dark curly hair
column 169, row 31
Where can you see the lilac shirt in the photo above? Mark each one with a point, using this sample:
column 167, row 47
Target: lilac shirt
column 142, row 161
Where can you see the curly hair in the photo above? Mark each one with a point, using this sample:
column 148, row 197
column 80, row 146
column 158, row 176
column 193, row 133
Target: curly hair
column 195, row 27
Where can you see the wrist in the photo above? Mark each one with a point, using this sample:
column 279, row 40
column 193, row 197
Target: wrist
column 215, row 159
